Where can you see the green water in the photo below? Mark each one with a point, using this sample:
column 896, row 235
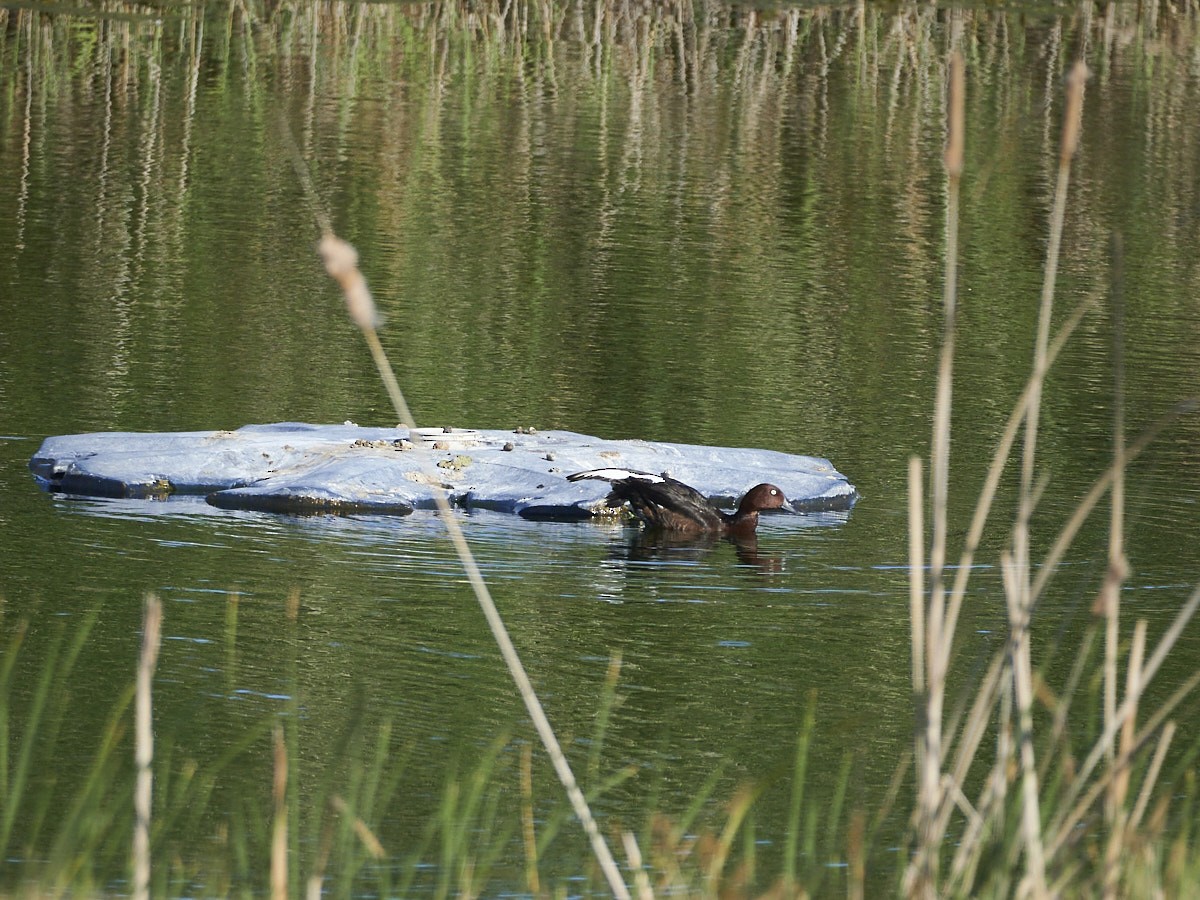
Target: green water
column 712, row 224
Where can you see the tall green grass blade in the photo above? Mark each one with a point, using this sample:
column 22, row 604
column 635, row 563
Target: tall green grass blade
column 832, row 825
column 750, row 845
column 608, row 702
column 699, row 801
column 291, row 737
column 88, row 816
column 799, row 774
column 30, row 738
column 6, row 669
column 809, row 852
column 562, row 814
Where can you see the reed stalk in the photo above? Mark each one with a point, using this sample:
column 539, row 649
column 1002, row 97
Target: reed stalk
column 341, row 261
column 1078, row 804
column 931, row 690
column 1108, row 601
column 945, row 748
column 641, row 880
column 916, row 590
column 528, row 834
column 1069, row 809
column 1019, row 583
column 1000, row 459
column 315, row 883
column 279, row 829
column 1133, row 688
column 144, row 754
column 1151, row 779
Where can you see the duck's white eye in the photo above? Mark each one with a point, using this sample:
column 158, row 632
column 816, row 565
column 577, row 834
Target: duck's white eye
column 774, row 492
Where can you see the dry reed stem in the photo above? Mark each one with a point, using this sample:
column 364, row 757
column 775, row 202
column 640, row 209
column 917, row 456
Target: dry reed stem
column 1166, row 642
column 921, row 871
column 1108, row 600
column 1025, row 409
column 1160, row 753
column 916, row 581
column 922, row 876
column 1069, row 143
column 279, row 848
column 1060, row 830
column 1021, row 666
column 958, row 93
column 641, row 880
column 991, row 804
column 1133, row 689
column 144, row 752
column 1083, row 509
column 967, row 852
column 975, row 726
column 977, row 721
column 315, row 884
column 341, row 260
column 528, row 834
column 1019, row 584
column 1062, row 707
column 362, row 830
column 1073, row 116
column 1016, row 568
column 1116, row 814
column 992, row 480
column 316, row 879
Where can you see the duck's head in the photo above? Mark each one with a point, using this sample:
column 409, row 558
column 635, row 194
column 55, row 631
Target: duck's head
column 764, row 496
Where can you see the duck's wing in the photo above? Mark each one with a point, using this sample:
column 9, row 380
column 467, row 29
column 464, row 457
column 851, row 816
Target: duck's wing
column 615, row 475
column 668, row 504
column 658, row 500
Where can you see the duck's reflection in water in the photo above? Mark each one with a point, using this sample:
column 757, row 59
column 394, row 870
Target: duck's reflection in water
column 656, row 546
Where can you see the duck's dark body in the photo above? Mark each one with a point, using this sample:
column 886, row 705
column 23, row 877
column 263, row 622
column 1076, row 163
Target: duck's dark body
column 663, row 503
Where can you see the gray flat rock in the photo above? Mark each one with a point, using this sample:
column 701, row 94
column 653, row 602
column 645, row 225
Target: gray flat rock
column 297, row 468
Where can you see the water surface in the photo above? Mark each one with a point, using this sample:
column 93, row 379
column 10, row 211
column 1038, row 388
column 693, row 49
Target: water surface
column 712, row 224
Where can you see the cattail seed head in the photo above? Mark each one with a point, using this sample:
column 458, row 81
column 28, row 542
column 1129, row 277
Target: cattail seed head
column 341, row 262
column 957, row 116
column 1072, row 122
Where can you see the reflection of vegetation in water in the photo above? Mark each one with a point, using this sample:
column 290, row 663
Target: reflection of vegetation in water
column 748, row 76
column 539, row 176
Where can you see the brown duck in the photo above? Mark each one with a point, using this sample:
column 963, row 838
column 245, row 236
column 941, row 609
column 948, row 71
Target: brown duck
column 661, row 502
